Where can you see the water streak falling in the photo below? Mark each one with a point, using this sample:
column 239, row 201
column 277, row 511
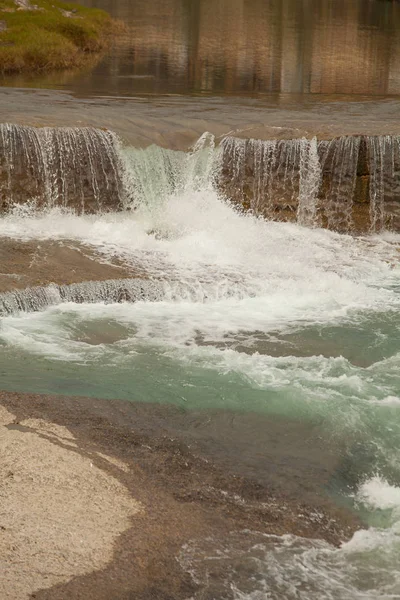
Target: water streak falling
column 339, row 159
column 384, row 167
column 347, row 184
column 274, row 178
column 310, row 178
column 69, row 167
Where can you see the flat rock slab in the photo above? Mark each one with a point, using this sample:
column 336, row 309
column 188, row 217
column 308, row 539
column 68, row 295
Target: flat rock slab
column 98, row 498
column 60, row 512
column 31, row 263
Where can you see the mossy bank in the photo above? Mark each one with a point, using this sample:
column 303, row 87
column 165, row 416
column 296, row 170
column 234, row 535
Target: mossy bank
column 48, row 35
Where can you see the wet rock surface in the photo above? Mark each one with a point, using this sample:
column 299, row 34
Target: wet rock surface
column 32, row 263
column 188, row 480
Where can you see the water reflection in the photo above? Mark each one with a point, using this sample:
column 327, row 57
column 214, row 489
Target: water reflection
column 251, row 46
column 240, row 47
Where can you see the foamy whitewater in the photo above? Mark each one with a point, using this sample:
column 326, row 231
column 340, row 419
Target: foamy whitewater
column 249, row 315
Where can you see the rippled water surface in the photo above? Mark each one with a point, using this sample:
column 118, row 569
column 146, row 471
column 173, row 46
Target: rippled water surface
column 290, row 334
column 256, row 317
column 300, row 47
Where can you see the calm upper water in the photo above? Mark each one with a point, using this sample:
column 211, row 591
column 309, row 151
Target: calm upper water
column 242, row 47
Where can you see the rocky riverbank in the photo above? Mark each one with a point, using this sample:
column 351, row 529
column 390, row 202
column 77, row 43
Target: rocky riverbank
column 100, row 496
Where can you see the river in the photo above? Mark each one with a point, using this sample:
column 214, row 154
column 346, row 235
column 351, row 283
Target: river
column 238, row 315
column 277, row 343
column 303, row 49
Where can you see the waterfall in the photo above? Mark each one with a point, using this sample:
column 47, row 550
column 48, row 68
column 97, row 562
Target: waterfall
column 384, row 168
column 339, row 160
column 33, row 299
column 304, row 180
column 269, row 176
column 348, row 184
column 68, row 167
column 115, row 290
column 152, row 174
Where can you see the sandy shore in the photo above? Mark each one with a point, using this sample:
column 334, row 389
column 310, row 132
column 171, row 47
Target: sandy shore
column 98, row 497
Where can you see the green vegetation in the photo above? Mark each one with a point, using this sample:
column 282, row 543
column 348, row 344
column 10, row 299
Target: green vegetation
column 50, row 35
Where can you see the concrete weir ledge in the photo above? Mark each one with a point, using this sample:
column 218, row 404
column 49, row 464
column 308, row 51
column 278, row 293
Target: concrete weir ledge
column 347, row 183
column 176, row 122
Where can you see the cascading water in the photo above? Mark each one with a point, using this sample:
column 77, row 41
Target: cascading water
column 69, row 167
column 339, row 160
column 316, row 183
column 233, row 314
column 272, row 177
column 346, row 184
column 115, row 290
column 153, row 174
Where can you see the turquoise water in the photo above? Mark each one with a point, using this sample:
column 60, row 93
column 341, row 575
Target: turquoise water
column 342, row 378
column 254, row 317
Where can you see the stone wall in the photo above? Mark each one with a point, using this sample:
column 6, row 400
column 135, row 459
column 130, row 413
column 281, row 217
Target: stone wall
column 353, row 182
column 347, row 184
column 73, row 168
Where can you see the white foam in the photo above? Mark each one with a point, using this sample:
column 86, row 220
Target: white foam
column 256, row 566
column 299, row 274
column 389, row 401
column 377, row 493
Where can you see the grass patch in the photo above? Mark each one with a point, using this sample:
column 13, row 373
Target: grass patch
column 51, row 35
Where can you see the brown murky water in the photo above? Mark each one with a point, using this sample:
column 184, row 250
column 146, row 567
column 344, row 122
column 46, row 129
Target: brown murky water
column 242, row 47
